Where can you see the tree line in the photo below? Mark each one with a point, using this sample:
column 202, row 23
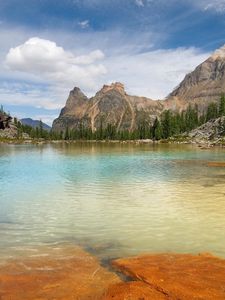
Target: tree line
column 175, row 123
column 169, row 124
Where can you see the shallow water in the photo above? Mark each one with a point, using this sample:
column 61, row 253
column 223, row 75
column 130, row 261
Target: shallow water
column 113, row 199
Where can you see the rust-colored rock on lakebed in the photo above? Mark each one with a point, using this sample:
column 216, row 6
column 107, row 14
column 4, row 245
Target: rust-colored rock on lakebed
column 216, row 164
column 178, row 276
column 67, row 273
column 61, row 273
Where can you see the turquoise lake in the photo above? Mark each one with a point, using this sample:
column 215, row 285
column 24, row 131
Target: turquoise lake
column 113, row 199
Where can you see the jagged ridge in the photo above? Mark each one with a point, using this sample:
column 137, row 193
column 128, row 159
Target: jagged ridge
column 112, row 105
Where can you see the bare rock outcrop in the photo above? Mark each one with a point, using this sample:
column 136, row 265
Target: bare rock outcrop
column 210, row 131
column 111, row 105
column 202, row 86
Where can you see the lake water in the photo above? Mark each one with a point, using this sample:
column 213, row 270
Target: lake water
column 113, row 199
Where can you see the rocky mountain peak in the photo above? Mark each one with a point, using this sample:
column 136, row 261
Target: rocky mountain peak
column 204, row 85
column 118, row 86
column 219, row 53
column 75, row 102
column 77, row 92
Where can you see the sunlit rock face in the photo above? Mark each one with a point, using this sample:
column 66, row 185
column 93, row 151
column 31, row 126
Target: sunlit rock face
column 111, row 105
column 202, row 86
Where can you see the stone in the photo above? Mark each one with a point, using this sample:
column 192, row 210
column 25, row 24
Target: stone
column 68, row 272
column 210, row 132
column 179, row 276
column 5, row 120
column 216, row 164
column 65, row 273
column 134, row 290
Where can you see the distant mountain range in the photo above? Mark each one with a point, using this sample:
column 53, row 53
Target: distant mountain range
column 34, row 123
column 112, row 105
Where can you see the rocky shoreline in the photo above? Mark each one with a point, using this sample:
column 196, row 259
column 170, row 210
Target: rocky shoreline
column 201, row 143
column 69, row 272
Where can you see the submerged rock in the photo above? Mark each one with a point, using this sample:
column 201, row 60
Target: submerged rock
column 134, row 290
column 216, row 164
column 68, row 272
column 178, row 276
column 60, row 273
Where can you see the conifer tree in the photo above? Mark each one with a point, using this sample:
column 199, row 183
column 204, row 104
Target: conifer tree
column 212, row 111
column 222, row 106
column 157, row 130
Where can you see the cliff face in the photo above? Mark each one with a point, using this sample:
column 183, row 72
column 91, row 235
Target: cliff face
column 202, row 86
column 111, row 105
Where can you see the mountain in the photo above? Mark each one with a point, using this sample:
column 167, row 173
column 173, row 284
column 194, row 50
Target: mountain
column 112, row 105
column 34, row 123
column 202, row 86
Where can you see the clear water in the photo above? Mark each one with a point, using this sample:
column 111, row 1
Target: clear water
column 114, row 199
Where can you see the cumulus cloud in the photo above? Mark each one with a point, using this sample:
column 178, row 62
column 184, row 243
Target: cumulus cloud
column 44, row 59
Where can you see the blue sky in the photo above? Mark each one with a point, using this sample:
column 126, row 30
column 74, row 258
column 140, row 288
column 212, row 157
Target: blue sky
column 49, row 46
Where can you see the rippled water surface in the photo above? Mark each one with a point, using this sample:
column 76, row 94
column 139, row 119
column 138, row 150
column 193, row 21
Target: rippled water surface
column 114, row 199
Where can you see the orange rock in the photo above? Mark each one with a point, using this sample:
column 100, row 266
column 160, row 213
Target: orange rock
column 134, row 290
column 216, row 164
column 71, row 273
column 65, row 274
column 183, row 277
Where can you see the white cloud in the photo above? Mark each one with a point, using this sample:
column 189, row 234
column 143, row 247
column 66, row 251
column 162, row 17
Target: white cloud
column 217, row 6
column 84, row 24
column 30, row 95
column 44, row 59
column 47, row 119
column 204, row 5
column 155, row 73
column 139, row 2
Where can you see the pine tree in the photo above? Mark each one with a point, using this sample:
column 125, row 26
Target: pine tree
column 222, row 106
column 166, row 122
column 67, row 134
column 212, row 112
column 157, row 130
column 41, row 128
